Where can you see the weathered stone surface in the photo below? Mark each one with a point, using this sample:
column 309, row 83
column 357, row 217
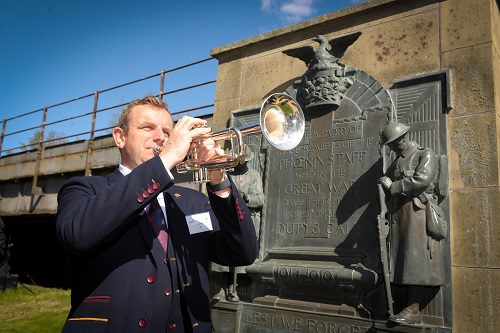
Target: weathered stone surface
column 228, row 88
column 473, row 154
column 105, row 157
column 263, row 75
column 495, row 23
column 496, row 75
column 228, row 84
column 472, row 79
column 23, row 205
column 498, row 143
column 464, row 23
column 475, row 228
column 223, row 112
column 476, row 300
column 390, row 51
column 225, row 318
column 20, row 170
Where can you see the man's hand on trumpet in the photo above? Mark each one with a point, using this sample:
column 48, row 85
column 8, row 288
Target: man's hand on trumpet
column 190, row 134
column 179, row 142
column 207, row 150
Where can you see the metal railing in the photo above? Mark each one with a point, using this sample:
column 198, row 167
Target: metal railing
column 42, row 142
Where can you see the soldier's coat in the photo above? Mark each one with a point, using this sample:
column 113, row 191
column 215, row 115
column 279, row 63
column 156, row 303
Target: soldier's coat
column 416, row 257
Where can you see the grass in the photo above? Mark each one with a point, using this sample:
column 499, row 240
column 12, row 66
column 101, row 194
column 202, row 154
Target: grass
column 33, row 309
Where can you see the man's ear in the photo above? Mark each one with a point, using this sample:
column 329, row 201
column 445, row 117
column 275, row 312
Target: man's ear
column 119, row 136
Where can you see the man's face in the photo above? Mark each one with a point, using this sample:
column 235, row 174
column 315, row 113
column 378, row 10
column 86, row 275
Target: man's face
column 148, row 127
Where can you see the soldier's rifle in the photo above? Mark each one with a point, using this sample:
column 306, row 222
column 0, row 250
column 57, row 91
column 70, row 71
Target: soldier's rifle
column 383, row 233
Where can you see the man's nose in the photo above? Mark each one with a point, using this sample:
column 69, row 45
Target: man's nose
column 159, row 136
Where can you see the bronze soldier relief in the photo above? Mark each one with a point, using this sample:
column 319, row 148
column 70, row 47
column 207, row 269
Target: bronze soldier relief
column 418, row 225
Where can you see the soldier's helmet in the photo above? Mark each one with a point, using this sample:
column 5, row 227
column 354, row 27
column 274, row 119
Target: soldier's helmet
column 392, row 131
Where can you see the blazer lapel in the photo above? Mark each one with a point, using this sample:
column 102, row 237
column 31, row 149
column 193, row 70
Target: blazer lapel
column 144, row 226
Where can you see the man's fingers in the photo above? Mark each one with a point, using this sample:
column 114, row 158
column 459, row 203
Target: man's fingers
column 200, row 131
column 189, row 123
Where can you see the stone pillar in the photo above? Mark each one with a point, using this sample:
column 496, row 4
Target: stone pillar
column 470, row 45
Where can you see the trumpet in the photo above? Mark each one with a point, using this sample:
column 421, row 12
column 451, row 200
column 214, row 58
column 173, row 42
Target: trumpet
column 281, row 121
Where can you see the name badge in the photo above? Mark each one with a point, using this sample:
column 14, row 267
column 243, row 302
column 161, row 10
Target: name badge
column 200, row 222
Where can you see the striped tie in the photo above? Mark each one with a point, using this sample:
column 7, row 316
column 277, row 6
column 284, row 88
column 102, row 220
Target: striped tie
column 157, row 221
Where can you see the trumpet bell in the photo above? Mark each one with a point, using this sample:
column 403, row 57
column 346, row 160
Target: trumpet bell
column 282, row 121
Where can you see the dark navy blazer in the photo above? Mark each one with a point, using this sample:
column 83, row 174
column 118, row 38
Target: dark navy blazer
column 123, row 280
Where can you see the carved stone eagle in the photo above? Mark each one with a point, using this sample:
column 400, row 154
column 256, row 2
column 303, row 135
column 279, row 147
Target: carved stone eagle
column 323, row 58
column 325, row 81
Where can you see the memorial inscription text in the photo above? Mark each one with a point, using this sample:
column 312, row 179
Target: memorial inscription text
column 284, row 322
column 320, row 178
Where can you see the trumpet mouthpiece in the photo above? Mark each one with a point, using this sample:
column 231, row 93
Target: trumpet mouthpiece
column 157, row 150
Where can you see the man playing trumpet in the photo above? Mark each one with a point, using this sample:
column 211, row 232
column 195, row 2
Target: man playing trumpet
column 140, row 245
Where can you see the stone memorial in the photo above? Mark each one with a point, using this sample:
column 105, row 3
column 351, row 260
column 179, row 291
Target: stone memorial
column 321, row 263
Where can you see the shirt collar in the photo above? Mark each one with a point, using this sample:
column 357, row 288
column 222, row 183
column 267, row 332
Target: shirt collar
column 124, row 170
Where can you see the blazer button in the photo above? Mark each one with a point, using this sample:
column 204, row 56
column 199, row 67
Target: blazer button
column 145, row 194
column 168, row 292
column 151, row 190
column 140, row 199
column 196, row 324
column 151, row 278
column 143, row 322
column 156, row 185
column 171, row 326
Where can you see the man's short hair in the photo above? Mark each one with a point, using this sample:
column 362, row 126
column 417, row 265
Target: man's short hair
column 153, row 101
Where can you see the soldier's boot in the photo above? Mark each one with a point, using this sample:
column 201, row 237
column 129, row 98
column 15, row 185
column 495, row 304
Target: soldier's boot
column 409, row 315
column 232, row 295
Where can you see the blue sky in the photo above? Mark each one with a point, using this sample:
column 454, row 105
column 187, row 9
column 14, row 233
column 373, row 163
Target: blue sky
column 56, row 50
